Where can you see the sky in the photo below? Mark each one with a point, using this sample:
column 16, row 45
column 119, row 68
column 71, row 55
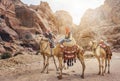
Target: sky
column 76, row 8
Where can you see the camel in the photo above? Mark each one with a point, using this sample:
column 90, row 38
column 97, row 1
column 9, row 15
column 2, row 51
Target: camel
column 57, row 52
column 102, row 56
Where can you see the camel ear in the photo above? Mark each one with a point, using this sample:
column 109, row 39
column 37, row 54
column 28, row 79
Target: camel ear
column 90, row 43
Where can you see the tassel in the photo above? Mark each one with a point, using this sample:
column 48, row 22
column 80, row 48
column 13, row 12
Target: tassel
column 74, row 60
column 72, row 63
column 68, row 62
column 64, row 60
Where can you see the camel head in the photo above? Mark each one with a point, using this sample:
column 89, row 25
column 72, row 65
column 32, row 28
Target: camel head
column 92, row 45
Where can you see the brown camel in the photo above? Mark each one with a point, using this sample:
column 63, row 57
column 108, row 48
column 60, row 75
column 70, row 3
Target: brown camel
column 102, row 56
column 57, row 51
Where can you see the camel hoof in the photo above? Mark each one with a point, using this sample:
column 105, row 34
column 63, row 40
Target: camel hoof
column 82, row 76
column 99, row 73
column 103, row 74
column 65, row 68
column 47, row 72
column 104, row 71
column 59, row 77
column 42, row 71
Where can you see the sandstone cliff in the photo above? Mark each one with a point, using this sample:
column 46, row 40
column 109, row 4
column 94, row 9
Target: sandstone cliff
column 20, row 22
column 64, row 20
column 104, row 21
column 21, row 25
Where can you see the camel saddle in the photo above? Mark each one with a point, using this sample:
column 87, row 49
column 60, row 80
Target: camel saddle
column 107, row 49
column 69, row 51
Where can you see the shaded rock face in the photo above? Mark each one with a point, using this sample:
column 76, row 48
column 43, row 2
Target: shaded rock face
column 25, row 15
column 7, row 18
column 104, row 22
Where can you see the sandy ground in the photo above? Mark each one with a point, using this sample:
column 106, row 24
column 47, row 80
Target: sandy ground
column 28, row 68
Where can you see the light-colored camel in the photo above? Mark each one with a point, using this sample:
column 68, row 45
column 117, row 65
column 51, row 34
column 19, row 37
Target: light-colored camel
column 46, row 53
column 102, row 57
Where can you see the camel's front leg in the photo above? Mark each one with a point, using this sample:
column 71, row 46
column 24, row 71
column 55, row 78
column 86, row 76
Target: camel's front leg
column 81, row 59
column 60, row 67
column 44, row 59
column 99, row 65
column 46, row 65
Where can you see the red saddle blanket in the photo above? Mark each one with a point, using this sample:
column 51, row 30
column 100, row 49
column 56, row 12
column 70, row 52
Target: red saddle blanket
column 69, row 52
column 107, row 49
column 102, row 45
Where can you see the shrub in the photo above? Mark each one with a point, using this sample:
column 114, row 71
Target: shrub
column 6, row 55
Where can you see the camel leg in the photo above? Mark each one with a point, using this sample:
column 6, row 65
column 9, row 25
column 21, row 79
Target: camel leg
column 64, row 67
column 46, row 65
column 109, row 65
column 105, row 65
column 99, row 66
column 60, row 67
column 44, row 59
column 81, row 59
column 102, row 66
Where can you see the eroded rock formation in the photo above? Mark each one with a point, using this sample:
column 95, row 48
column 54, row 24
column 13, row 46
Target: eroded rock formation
column 104, row 21
column 20, row 22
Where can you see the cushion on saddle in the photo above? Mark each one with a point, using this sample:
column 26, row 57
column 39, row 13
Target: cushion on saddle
column 102, row 45
column 69, row 56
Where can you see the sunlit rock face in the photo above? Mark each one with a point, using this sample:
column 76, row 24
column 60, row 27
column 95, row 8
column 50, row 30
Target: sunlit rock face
column 8, row 18
column 104, row 22
column 47, row 16
column 20, row 18
column 64, row 20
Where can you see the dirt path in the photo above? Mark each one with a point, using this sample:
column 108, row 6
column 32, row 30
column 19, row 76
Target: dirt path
column 31, row 72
